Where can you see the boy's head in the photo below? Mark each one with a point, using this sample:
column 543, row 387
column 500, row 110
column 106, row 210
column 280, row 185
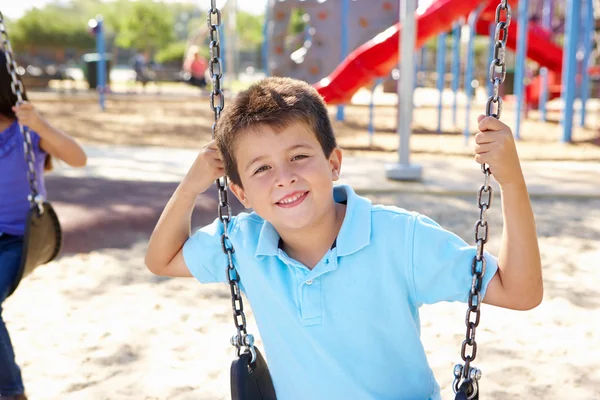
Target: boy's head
column 280, row 153
column 276, row 103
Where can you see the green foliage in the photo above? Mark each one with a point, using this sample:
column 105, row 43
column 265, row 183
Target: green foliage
column 144, row 25
column 173, row 53
column 249, row 29
column 51, row 28
column 297, row 24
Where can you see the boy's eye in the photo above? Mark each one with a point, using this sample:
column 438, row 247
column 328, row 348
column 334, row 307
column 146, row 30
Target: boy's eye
column 261, row 169
column 299, row 157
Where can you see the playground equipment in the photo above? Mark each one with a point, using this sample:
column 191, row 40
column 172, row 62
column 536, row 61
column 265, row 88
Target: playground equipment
column 334, row 28
column 377, row 57
column 96, row 27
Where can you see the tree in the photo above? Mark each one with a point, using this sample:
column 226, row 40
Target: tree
column 50, row 28
column 249, row 29
column 144, row 25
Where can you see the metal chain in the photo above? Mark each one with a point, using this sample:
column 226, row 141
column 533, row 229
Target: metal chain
column 217, row 103
column 17, row 88
column 497, row 73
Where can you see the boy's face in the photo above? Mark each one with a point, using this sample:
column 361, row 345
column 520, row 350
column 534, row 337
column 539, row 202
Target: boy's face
column 286, row 177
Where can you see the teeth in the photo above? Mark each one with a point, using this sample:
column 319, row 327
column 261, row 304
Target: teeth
column 291, row 199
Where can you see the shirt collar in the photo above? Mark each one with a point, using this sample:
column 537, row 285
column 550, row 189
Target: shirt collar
column 354, row 234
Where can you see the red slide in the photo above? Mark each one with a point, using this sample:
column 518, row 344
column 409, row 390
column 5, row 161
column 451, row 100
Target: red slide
column 379, row 56
column 539, row 46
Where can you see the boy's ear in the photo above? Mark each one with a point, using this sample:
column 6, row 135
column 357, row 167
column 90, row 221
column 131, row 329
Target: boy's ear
column 335, row 161
column 239, row 192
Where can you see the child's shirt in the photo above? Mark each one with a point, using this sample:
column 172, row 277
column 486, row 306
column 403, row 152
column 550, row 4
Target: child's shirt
column 349, row 328
column 14, row 182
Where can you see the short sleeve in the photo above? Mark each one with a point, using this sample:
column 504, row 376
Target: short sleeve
column 204, row 255
column 442, row 264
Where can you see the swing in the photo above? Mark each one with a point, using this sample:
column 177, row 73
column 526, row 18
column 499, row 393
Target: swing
column 43, row 236
column 250, row 377
column 466, row 377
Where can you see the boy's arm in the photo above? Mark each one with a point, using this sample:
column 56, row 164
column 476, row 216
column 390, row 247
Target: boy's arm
column 53, row 141
column 518, row 282
column 165, row 248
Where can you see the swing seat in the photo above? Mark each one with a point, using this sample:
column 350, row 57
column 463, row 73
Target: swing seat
column 42, row 241
column 251, row 381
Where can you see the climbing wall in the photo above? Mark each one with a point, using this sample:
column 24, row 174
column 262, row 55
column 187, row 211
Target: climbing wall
column 314, row 54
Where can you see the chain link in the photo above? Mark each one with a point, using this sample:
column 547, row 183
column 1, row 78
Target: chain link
column 17, row 89
column 466, row 374
column 217, row 102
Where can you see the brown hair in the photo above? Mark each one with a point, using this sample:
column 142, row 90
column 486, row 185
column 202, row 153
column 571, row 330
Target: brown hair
column 8, row 99
column 275, row 102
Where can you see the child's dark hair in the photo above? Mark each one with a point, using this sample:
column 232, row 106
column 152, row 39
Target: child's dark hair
column 275, row 102
column 8, row 99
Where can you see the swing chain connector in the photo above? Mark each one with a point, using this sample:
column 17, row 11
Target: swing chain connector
column 469, row 386
column 17, row 89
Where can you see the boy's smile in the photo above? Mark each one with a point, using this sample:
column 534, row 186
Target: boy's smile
column 286, row 177
column 292, row 200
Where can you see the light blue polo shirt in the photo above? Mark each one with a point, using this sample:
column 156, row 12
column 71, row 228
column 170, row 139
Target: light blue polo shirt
column 349, row 328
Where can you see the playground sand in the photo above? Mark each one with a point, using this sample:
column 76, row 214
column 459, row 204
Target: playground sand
column 184, row 122
column 100, row 326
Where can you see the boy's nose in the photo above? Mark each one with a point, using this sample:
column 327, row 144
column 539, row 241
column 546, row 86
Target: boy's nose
column 286, row 177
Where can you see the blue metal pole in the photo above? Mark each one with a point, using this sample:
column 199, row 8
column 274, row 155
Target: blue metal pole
column 343, row 46
column 570, row 65
column 588, row 29
column 547, row 24
column 416, row 61
column 490, row 85
column 101, row 70
column 521, row 55
column 473, row 17
column 441, row 71
column 455, row 68
column 422, row 65
column 371, row 127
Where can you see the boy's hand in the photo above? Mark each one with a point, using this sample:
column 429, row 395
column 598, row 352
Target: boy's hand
column 496, row 147
column 28, row 115
column 207, row 168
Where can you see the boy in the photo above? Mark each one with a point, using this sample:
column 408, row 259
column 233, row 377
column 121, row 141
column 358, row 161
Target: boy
column 335, row 283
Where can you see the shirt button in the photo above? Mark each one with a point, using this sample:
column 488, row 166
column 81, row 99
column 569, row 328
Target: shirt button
column 327, row 261
column 309, row 282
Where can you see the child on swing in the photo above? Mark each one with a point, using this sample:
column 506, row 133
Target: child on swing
column 335, row 282
column 14, row 188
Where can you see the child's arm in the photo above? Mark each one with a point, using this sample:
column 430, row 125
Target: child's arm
column 518, row 282
column 53, row 141
column 165, row 249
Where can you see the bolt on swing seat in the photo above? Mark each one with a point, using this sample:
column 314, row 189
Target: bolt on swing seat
column 43, row 235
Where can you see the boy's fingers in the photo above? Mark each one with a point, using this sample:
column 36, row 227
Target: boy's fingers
column 485, row 137
column 483, row 148
column 480, row 117
column 491, row 124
